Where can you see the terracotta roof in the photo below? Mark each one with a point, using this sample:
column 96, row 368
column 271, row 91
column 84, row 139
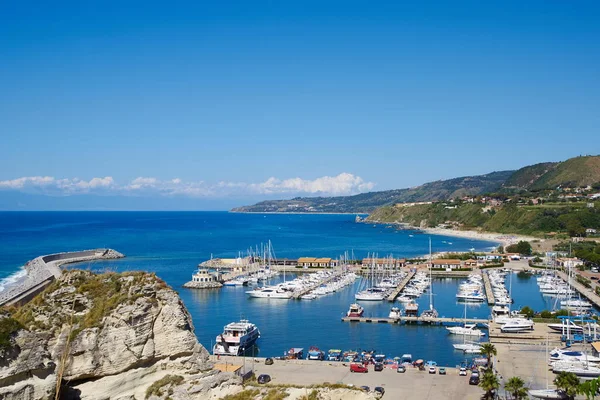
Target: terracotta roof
column 323, row 260
column 306, row 259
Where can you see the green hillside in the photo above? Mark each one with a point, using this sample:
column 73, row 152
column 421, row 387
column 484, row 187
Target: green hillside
column 568, row 218
column 527, row 176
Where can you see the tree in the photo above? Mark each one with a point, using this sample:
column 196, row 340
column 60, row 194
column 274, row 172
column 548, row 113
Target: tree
column 489, row 382
column 568, row 383
column 523, row 247
column 488, row 350
column 527, row 311
column 589, row 388
column 516, row 387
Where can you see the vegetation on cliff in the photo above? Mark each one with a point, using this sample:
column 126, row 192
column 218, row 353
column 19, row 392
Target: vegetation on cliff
column 537, row 220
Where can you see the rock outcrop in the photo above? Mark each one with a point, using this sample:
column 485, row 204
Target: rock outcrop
column 106, row 335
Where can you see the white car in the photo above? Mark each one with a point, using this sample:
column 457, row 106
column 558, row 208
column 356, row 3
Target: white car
column 462, row 372
column 432, row 370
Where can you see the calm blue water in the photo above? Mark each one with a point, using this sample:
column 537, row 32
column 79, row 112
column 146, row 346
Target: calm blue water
column 173, row 243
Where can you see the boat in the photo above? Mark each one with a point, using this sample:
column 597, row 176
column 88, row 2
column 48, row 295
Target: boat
column 432, row 312
column 411, row 309
column 334, row 355
column 548, row 394
column 566, row 326
column 575, row 303
column 406, row 359
column 308, row 296
column 356, row 310
column 271, row 292
column 236, row 338
column 295, row 353
column 467, row 330
column 581, row 369
column 372, row 294
column 572, row 355
column 395, row 313
column 517, row 325
column 404, row 299
column 314, row 353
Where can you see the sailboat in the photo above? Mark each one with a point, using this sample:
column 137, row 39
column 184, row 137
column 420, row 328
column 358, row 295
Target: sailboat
column 466, row 330
column 547, row 393
column 432, row 312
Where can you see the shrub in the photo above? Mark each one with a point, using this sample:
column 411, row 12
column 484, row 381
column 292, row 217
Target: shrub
column 8, row 327
column 156, row 388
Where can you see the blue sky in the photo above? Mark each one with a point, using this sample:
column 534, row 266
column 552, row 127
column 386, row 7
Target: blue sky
column 191, row 103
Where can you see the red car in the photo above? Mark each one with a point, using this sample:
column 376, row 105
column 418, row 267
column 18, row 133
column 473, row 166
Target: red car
column 358, row 368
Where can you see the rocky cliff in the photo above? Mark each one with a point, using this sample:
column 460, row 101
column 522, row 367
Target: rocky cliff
column 108, row 336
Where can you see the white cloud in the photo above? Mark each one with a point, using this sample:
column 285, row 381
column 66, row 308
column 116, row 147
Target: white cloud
column 342, row 184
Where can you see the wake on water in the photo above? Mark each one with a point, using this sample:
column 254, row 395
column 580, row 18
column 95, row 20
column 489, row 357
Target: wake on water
column 12, row 279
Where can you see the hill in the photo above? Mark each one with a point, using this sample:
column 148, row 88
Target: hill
column 574, row 172
column 367, row 202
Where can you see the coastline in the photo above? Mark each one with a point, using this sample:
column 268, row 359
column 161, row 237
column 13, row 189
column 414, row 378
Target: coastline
column 297, row 212
column 504, row 239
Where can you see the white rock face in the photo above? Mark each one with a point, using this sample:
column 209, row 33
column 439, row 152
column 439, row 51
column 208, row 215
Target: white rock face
column 147, row 335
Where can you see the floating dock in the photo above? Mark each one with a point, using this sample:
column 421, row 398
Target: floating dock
column 488, row 289
column 438, row 321
column 401, row 286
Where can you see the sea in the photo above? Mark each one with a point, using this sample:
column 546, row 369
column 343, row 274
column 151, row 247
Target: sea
column 172, row 244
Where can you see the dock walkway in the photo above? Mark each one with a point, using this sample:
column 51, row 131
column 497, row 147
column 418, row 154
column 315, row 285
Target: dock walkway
column 491, row 299
column 588, row 293
column 401, row 286
column 441, row 321
column 298, row 293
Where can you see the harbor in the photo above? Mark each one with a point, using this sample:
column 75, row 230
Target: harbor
column 426, row 320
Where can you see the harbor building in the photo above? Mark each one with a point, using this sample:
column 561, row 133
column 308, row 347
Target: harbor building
column 314, row 262
column 446, row 264
column 383, row 263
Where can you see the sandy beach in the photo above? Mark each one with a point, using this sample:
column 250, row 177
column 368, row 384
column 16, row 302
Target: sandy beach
column 500, row 238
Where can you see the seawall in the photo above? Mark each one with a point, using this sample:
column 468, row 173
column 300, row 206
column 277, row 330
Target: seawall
column 41, row 271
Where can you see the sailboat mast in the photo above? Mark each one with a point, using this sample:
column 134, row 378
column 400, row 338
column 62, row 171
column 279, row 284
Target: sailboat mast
column 430, row 278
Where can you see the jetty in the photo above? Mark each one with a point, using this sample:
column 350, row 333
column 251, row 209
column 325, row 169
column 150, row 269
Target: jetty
column 588, row 293
column 491, row 299
column 438, row 321
column 298, row 293
column 401, row 286
column 43, row 270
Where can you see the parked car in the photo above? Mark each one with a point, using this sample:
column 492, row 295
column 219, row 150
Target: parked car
column 401, row 369
column 355, row 367
column 365, row 388
column 379, row 391
column 268, row 361
column 432, row 370
column 378, row 367
column 442, row 370
column 264, row 378
column 474, row 380
column 462, row 371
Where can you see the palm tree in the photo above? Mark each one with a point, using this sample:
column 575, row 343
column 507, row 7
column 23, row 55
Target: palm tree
column 589, row 388
column 568, row 383
column 516, row 387
column 489, row 382
column 488, row 350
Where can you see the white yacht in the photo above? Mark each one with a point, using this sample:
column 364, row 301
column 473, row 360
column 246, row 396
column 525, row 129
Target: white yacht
column 236, row 337
column 370, row 295
column 547, row 394
column 471, row 348
column 517, row 325
column 566, row 326
column 395, row 313
column 271, row 292
column 467, row 330
column 575, row 303
column 581, row 369
column 572, row 356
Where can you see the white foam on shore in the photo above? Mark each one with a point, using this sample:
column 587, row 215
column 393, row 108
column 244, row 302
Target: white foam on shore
column 12, row 279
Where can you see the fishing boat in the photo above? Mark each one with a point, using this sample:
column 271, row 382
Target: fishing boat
column 355, row 310
column 295, row 353
column 334, row 355
column 236, row 338
column 314, row 353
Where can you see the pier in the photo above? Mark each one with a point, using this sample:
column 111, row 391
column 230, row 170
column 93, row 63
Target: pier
column 440, row 321
column 41, row 271
column 588, row 293
column 298, row 293
column 401, row 286
column 488, row 289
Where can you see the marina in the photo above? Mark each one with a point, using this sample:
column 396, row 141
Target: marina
column 401, row 286
column 491, row 300
column 426, row 320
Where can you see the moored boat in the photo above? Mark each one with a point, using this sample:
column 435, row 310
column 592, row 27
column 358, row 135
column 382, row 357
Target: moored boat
column 355, row 310
column 236, row 338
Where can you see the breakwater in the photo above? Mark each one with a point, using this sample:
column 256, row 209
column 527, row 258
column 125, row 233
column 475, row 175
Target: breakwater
column 41, row 271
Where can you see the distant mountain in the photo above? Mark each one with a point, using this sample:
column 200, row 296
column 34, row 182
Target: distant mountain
column 367, row 202
column 574, row 172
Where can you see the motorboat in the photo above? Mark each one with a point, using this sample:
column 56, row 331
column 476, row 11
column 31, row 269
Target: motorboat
column 411, row 309
column 581, row 369
column 566, row 326
column 271, row 292
column 467, row 330
column 474, row 296
column 236, row 338
column 314, row 353
column 308, row 296
column 355, row 310
column 551, row 394
column 572, row 356
column 406, row 359
column 334, row 355
column 517, row 325
column 404, row 299
column 471, row 348
column 575, row 303
column 295, row 353
column 395, row 313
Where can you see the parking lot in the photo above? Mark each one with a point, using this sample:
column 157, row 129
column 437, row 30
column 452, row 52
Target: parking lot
column 413, row 384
